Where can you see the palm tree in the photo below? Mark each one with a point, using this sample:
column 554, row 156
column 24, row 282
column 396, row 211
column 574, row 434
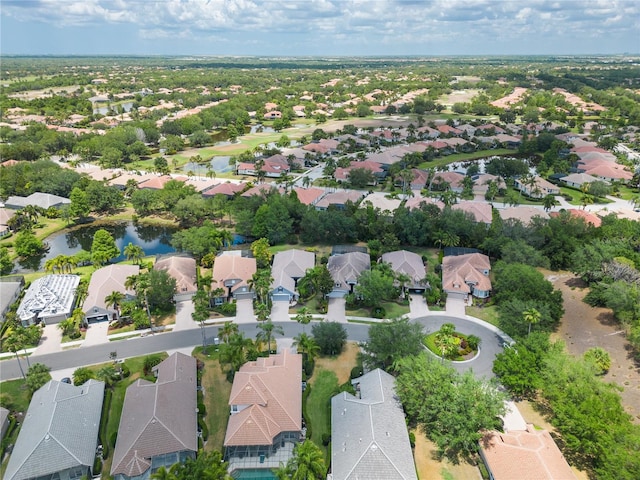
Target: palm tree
column 304, row 317
column 134, row 252
column 445, row 340
column 531, row 316
column 234, row 352
column 13, row 344
column 109, row 375
column 114, row 299
column 549, row 202
column 307, row 345
column 308, row 462
column 267, row 329
column 227, row 330
column 163, row 474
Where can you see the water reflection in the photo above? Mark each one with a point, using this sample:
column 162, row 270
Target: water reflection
column 154, row 240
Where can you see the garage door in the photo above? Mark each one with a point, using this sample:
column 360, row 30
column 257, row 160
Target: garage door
column 280, row 297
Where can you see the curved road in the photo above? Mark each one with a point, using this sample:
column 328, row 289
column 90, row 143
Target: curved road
column 160, row 342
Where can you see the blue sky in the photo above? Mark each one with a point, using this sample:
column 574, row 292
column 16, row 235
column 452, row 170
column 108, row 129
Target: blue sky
column 319, row 27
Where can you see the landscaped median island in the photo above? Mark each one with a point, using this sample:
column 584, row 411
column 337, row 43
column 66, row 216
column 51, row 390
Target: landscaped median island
column 451, row 345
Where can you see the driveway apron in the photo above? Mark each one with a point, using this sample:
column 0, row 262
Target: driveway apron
column 96, row 334
column 50, row 340
column 280, row 312
column 244, row 311
column 336, row 310
column 184, row 321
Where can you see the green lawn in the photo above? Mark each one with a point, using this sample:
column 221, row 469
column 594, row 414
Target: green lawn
column 392, row 309
column 324, row 384
column 216, row 398
column 488, row 314
column 15, row 394
column 461, row 157
column 117, row 400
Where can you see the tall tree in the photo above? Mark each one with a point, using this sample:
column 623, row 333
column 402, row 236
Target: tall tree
column 307, row 462
column 390, row 341
column 103, row 247
column 267, row 330
column 134, row 252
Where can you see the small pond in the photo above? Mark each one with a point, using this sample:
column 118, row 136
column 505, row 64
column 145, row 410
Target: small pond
column 103, row 110
column 154, row 240
column 218, row 164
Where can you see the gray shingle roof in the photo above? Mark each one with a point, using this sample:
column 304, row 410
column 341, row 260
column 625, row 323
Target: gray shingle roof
column 60, row 430
column 369, row 434
column 347, row 267
column 157, row 418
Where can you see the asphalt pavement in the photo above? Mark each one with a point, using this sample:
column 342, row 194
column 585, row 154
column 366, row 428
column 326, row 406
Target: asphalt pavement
column 491, row 344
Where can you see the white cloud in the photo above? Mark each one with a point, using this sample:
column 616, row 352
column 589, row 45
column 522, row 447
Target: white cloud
column 368, row 21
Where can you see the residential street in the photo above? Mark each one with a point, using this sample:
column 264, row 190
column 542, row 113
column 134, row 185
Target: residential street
column 159, row 342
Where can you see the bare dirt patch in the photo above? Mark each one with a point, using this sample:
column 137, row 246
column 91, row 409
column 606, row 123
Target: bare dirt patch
column 583, row 327
column 458, row 96
column 429, row 466
column 342, row 364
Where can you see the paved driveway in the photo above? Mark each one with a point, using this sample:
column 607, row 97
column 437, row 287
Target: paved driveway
column 456, row 306
column 336, row 310
column 50, row 340
column 244, row 311
column 417, row 306
column 184, row 321
column 96, row 334
column 280, row 312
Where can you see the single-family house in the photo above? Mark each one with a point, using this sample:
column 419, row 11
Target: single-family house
column 481, row 212
column 5, row 215
column 227, row 189
column 272, row 115
column 411, row 265
column 232, row 273
column 288, row 267
column 310, row 195
column 529, row 454
column 266, row 413
column 538, row 188
column 465, row 275
column 452, row 179
column 183, row 269
column 345, row 269
column 155, row 182
column 522, row 213
column 339, row 199
column 48, row 299
column 10, row 288
column 37, row 199
column 381, row 201
column 105, row 281
column 159, row 425
column 448, row 130
column 481, row 183
column 369, row 432
column 59, row 434
column 588, row 217
column 577, row 180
